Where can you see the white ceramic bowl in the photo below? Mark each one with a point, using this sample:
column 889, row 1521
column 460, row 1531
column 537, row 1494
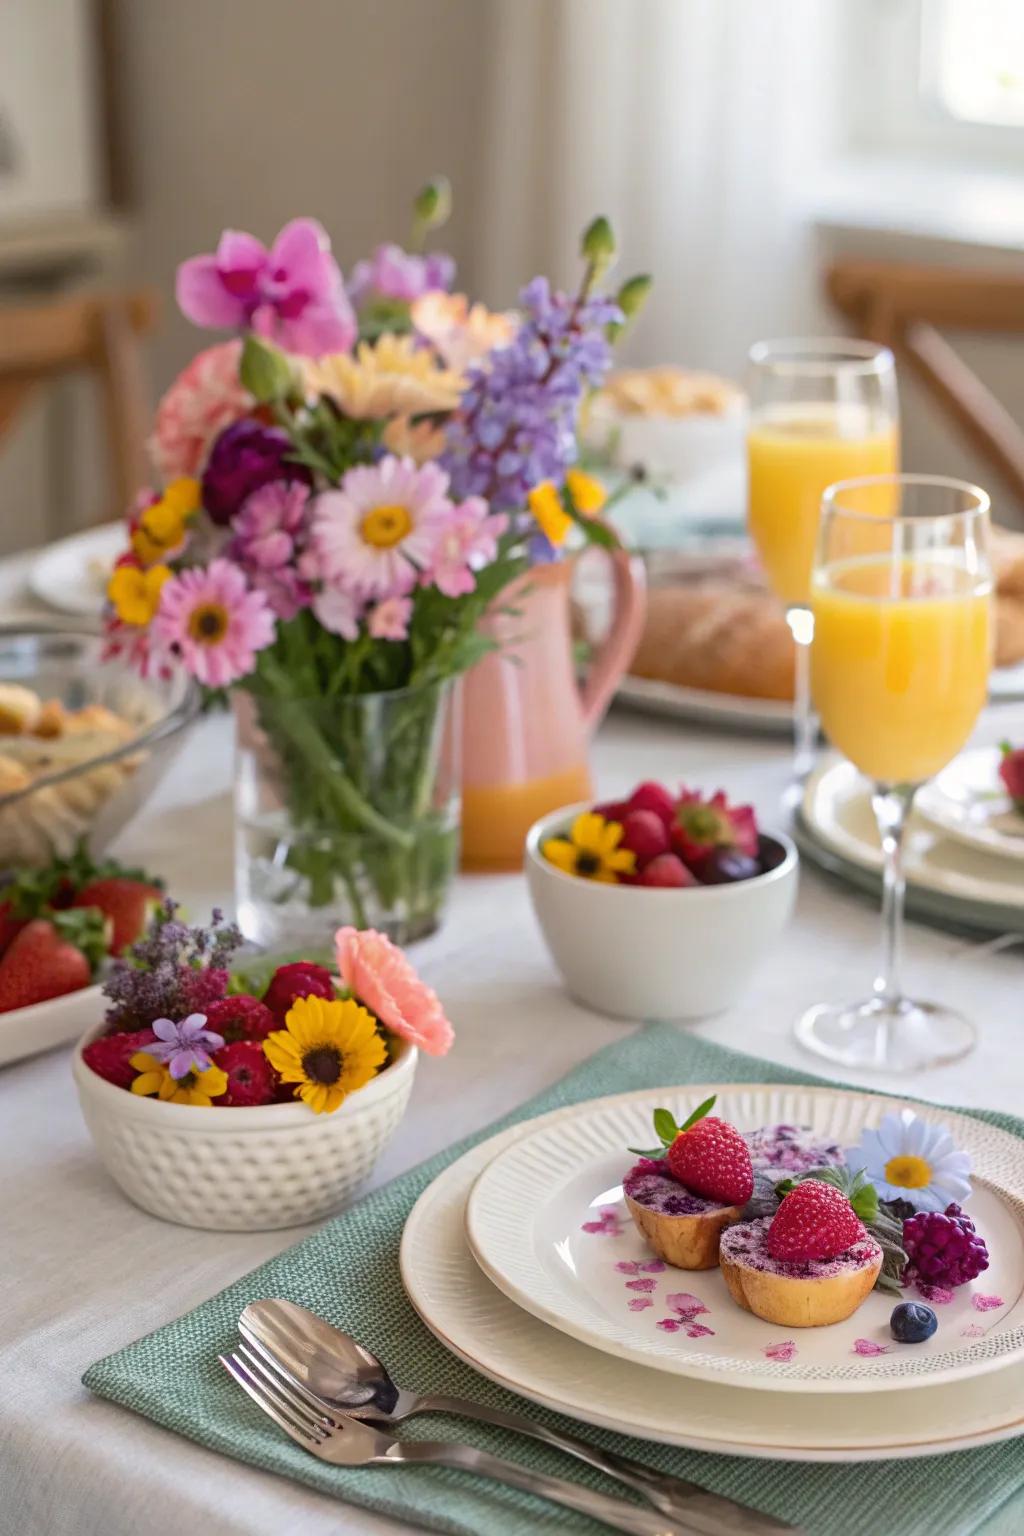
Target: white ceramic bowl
column 241, row 1170
column 640, row 953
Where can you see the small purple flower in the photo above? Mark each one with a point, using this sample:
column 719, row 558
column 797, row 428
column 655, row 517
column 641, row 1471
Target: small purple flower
column 269, row 536
column 183, row 1046
column 391, row 273
column 244, row 457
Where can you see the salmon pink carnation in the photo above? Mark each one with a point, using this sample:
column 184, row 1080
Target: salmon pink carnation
column 207, row 397
column 380, row 977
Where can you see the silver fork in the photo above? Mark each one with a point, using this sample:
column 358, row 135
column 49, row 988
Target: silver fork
column 349, row 1443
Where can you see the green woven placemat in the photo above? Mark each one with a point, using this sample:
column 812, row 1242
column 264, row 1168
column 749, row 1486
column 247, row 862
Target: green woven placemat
column 348, row 1272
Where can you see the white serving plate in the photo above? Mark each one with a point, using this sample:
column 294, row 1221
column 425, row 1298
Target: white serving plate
column 27, row 1031
column 773, row 717
column 71, row 574
column 967, row 802
column 476, row 1322
column 533, row 1224
column 837, row 809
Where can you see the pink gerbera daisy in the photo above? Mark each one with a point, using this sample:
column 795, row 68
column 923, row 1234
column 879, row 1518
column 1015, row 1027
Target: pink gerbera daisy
column 214, row 622
column 379, row 976
column 377, row 531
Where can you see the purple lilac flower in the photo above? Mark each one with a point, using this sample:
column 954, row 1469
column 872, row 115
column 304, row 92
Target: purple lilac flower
column 185, row 1046
column 245, row 456
column 171, row 972
column 516, row 425
column 391, row 273
column 269, row 537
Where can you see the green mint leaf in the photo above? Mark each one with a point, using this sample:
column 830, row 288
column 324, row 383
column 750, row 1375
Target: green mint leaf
column 654, row 1153
column 665, row 1126
column 699, row 1112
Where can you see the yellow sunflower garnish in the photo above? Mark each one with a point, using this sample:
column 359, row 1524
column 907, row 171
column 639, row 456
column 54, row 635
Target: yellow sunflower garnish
column 329, row 1046
column 393, row 377
column 135, row 594
column 591, row 850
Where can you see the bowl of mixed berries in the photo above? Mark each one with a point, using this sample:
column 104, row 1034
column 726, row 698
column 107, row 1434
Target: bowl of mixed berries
column 659, row 905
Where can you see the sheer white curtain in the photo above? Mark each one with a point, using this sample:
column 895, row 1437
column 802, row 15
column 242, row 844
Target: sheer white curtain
column 696, row 125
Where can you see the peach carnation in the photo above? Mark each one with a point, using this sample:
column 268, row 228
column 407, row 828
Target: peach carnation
column 378, row 974
column 202, row 401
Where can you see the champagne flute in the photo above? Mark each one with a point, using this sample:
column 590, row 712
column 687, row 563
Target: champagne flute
column 903, row 627
column 821, row 410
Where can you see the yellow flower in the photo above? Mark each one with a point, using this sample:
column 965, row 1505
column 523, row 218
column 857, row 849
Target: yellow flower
column 135, row 594
column 591, row 850
column 199, row 1088
column 393, row 377
column 588, row 495
column 546, row 505
column 162, row 527
column 420, row 441
column 329, row 1046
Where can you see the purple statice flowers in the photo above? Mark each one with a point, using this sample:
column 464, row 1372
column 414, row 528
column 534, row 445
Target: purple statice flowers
column 184, row 1047
column 516, row 423
column 174, row 971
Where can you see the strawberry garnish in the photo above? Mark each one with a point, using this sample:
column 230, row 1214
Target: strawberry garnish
column 814, row 1221
column 653, row 797
column 128, row 903
column 700, row 826
column 707, row 1155
column 50, row 957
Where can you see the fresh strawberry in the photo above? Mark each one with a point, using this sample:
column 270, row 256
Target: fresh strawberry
column 700, row 826
column 706, row 1154
column 251, row 1078
column 1011, row 771
column 667, row 870
column 302, row 978
column 128, row 903
column 645, row 834
column 653, row 797
column 110, row 1055
column 240, row 1018
column 11, row 923
column 50, row 957
column 814, row 1221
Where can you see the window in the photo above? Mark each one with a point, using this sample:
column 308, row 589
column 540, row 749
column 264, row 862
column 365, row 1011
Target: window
column 972, row 60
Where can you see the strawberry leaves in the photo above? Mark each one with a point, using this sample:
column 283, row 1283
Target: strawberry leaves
column 667, row 1130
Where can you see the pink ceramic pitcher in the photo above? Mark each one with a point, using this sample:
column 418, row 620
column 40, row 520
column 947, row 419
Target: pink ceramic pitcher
column 527, row 725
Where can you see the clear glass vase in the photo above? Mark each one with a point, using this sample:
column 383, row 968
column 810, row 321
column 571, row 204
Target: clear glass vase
column 346, row 811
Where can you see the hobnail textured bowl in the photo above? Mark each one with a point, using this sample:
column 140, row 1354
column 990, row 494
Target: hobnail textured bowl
column 241, row 1170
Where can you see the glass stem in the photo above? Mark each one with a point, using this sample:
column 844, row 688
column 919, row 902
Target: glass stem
column 891, row 805
column 805, row 721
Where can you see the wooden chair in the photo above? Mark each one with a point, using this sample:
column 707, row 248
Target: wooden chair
column 97, row 333
column 902, row 305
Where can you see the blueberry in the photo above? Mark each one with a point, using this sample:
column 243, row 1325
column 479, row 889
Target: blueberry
column 726, row 865
column 911, row 1323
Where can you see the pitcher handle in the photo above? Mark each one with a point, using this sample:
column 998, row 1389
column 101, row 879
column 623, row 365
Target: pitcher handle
column 613, row 656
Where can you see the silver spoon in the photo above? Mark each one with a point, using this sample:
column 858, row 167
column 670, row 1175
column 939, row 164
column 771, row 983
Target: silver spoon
column 349, row 1378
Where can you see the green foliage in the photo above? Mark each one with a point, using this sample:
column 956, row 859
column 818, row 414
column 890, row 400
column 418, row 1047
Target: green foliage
column 667, row 1130
column 432, row 208
column 265, row 372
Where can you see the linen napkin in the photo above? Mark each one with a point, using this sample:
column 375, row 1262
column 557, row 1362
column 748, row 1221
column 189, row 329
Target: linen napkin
column 348, row 1272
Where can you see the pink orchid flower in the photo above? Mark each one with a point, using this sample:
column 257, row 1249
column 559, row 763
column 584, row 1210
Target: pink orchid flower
column 377, row 973
column 293, row 294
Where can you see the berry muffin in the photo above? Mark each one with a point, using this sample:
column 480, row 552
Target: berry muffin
column 791, row 1149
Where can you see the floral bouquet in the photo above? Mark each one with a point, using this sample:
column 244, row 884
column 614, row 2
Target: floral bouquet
column 347, row 487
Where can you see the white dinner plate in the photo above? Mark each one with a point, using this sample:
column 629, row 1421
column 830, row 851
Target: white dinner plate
column 547, row 1223
column 967, row 801
column 27, row 1031
column 773, row 717
column 72, row 574
column 837, row 809
column 477, row 1323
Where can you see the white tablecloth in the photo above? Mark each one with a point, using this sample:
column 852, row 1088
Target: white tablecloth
column 82, row 1271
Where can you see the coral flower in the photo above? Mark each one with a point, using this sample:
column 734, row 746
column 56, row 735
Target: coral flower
column 197, row 1088
column 214, row 622
column 203, row 400
column 394, row 377
column 377, row 531
column 293, row 294
column 591, row 850
column 379, row 975
column 461, row 334
column 135, row 594
column 329, row 1047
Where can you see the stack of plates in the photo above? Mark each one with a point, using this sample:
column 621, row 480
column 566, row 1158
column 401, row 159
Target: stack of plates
column 522, row 1259
column 964, row 851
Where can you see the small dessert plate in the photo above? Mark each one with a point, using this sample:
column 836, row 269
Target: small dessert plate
column 547, row 1223
column 967, row 802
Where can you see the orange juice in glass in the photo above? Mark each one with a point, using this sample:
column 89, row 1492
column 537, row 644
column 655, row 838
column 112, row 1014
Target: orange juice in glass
column 821, row 410
column 903, row 633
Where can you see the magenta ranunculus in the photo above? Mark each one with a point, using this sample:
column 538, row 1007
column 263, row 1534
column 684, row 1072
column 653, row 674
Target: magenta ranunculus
column 244, row 457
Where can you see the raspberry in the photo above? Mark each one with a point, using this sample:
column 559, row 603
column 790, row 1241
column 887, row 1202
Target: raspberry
column 646, row 835
column 814, row 1221
column 240, row 1018
column 251, row 1078
column 713, row 1161
column 300, row 979
column 653, row 797
column 612, row 810
column 943, row 1248
column 666, row 870
column 110, row 1055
